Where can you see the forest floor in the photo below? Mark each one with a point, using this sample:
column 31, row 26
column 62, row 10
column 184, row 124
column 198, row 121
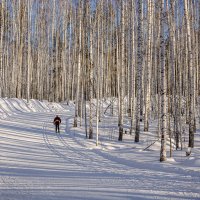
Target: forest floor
column 38, row 164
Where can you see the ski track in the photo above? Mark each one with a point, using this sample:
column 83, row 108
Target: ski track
column 78, row 156
column 82, row 171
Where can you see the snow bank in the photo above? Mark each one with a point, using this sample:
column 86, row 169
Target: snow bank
column 13, row 106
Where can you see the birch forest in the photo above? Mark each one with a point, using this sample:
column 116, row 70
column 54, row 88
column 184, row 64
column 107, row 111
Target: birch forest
column 143, row 55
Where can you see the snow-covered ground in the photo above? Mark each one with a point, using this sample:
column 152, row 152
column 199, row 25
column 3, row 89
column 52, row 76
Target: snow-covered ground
column 38, row 164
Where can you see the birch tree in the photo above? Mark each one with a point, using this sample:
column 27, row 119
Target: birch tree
column 132, row 66
column 190, row 77
column 91, row 65
column 149, row 64
column 1, row 46
column 122, row 76
column 78, row 65
column 139, row 68
column 163, row 86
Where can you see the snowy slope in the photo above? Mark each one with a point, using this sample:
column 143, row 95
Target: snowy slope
column 38, row 164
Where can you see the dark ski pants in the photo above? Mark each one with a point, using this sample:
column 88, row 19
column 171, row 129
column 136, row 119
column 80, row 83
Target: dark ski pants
column 57, row 128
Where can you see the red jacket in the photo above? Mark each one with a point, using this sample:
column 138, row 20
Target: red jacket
column 57, row 120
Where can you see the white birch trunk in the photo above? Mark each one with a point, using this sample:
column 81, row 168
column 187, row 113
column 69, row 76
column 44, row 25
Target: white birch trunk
column 132, row 66
column 163, row 87
column 122, row 75
column 190, row 77
column 91, row 63
column 149, row 65
column 139, row 68
column 78, row 67
column 1, row 47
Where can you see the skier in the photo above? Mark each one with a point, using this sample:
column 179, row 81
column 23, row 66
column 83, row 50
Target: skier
column 57, row 122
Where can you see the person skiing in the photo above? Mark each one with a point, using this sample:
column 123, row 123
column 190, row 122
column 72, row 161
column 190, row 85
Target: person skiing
column 57, row 122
